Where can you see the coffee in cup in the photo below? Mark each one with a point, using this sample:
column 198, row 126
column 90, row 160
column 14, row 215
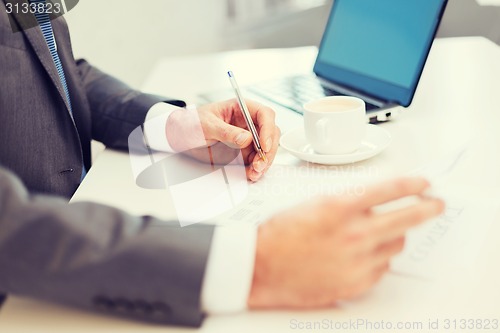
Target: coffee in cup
column 335, row 125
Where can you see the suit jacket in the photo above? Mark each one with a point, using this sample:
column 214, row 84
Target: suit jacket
column 99, row 258
column 85, row 255
column 40, row 139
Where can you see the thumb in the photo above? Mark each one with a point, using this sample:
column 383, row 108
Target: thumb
column 227, row 133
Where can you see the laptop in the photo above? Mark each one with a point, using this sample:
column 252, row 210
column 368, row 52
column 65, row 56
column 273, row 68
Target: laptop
column 372, row 49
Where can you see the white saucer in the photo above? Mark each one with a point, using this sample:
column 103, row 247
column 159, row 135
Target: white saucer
column 377, row 139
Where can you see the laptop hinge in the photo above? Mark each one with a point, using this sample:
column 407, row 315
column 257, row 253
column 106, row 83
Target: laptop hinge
column 352, row 92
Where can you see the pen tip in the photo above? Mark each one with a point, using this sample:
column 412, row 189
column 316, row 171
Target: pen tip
column 263, row 156
column 230, row 73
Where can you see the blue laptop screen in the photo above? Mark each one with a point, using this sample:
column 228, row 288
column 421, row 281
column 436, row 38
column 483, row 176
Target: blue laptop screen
column 379, row 47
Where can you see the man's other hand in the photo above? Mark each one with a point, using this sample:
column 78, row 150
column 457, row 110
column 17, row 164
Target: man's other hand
column 334, row 248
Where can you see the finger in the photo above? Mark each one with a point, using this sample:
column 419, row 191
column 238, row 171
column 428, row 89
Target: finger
column 392, row 190
column 393, row 225
column 271, row 155
column 264, row 118
column 222, row 154
column 379, row 272
column 252, row 174
column 258, row 164
column 221, row 131
column 261, row 166
column 372, row 279
column 385, row 252
column 365, row 283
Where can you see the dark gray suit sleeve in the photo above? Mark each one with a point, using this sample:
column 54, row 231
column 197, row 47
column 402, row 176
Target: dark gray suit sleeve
column 99, row 258
column 116, row 108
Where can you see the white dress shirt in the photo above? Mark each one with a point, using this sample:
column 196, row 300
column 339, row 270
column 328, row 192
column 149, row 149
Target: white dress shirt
column 229, row 270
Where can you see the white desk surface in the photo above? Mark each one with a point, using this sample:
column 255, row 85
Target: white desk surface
column 457, row 102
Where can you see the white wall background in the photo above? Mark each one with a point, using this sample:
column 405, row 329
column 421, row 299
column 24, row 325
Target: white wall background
column 126, row 37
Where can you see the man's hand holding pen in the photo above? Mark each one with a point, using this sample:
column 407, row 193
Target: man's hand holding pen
column 224, row 123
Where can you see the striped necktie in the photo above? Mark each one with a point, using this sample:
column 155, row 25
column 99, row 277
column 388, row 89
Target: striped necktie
column 44, row 21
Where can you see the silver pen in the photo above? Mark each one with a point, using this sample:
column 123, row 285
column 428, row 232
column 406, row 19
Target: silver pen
column 247, row 116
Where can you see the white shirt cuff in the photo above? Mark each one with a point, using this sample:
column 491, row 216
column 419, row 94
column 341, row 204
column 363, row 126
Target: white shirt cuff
column 155, row 124
column 229, row 271
column 230, row 265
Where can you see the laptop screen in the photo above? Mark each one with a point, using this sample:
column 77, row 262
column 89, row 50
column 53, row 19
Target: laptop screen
column 379, row 47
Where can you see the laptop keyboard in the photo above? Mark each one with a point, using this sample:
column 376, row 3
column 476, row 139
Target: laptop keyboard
column 293, row 92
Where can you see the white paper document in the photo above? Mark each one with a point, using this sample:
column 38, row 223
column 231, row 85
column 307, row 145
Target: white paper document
column 287, row 186
column 451, row 241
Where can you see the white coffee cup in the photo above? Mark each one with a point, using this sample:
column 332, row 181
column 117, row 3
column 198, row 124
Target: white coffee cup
column 335, row 125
